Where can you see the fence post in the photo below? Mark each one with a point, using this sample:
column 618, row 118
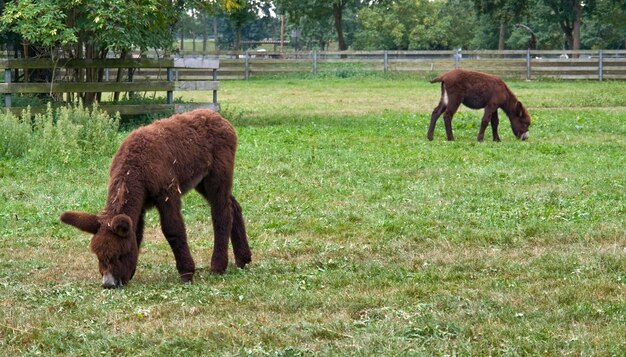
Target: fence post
column 7, row 79
column 246, row 66
column 214, row 91
column 385, row 61
column 315, row 62
column 600, row 66
column 170, row 94
column 528, row 73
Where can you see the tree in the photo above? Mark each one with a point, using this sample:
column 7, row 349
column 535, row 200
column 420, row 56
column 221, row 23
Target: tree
column 386, row 26
column 569, row 14
column 92, row 29
column 306, row 12
column 503, row 12
column 251, row 21
column 410, row 24
column 89, row 29
column 605, row 28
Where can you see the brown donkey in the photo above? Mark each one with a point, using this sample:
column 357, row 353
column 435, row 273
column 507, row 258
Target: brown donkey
column 154, row 167
column 478, row 90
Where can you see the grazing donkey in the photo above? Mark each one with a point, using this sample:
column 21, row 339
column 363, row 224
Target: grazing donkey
column 478, row 90
column 154, row 166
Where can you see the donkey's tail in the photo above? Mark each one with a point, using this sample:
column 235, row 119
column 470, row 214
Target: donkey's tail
column 238, row 236
column 438, row 79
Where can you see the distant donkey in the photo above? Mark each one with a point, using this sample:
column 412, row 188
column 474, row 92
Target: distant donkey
column 155, row 166
column 478, row 90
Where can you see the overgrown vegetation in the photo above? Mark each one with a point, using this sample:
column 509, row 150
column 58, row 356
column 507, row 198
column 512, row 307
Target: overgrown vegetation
column 367, row 238
column 62, row 135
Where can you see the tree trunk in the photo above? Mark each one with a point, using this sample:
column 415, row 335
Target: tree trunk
column 118, row 77
column 205, row 31
column 238, row 39
column 193, row 32
column 102, row 55
column 502, row 36
column 338, row 15
column 91, row 75
column 26, row 56
column 571, row 25
column 578, row 14
column 215, row 40
column 182, row 37
column 79, row 73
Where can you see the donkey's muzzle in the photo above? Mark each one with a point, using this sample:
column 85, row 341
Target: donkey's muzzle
column 110, row 282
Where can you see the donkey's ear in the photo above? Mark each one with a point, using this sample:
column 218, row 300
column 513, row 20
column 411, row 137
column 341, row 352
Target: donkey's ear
column 121, row 225
column 519, row 109
column 84, row 221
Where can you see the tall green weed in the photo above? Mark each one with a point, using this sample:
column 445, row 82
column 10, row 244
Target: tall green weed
column 15, row 134
column 59, row 135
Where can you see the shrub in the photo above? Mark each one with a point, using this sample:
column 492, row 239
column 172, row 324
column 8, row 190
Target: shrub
column 14, row 134
column 59, row 134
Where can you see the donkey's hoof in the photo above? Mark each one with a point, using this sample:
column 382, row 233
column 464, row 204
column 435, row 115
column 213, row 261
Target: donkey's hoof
column 218, row 271
column 219, row 263
column 218, row 268
column 241, row 262
column 186, row 278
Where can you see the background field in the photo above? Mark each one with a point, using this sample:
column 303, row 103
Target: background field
column 367, row 238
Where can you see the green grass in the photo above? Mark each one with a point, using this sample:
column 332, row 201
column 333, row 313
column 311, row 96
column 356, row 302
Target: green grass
column 367, row 238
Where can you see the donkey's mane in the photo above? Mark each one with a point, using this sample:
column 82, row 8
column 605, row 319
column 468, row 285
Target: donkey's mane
column 117, row 196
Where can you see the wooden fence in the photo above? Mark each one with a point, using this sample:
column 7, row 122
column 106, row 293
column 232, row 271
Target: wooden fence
column 199, row 72
column 594, row 65
column 148, row 75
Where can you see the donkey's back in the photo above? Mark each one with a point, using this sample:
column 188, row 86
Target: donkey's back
column 179, row 150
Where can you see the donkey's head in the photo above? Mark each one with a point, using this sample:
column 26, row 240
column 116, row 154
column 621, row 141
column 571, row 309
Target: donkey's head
column 520, row 121
column 113, row 242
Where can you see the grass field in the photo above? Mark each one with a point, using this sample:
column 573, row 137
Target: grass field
column 367, row 238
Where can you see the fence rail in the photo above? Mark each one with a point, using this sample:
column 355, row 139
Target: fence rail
column 523, row 64
column 199, row 72
column 161, row 75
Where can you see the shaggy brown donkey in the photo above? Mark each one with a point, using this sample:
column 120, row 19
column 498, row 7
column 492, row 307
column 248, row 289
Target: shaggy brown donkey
column 478, row 90
column 154, row 167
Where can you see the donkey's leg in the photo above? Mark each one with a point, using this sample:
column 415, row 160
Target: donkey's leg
column 487, row 117
column 453, row 106
column 495, row 121
column 222, row 217
column 216, row 189
column 238, row 236
column 173, row 228
column 433, row 119
column 139, row 227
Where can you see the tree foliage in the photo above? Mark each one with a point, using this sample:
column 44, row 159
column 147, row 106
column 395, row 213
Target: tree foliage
column 91, row 29
column 314, row 18
column 504, row 12
column 410, row 24
column 103, row 26
column 96, row 28
column 568, row 14
column 488, row 24
column 606, row 27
